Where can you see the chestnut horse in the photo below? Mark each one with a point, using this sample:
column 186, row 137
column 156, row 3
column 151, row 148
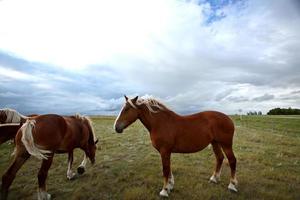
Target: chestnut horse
column 173, row 133
column 8, row 115
column 45, row 135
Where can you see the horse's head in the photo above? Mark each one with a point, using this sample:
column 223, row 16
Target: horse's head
column 128, row 115
column 92, row 140
column 3, row 116
column 92, row 147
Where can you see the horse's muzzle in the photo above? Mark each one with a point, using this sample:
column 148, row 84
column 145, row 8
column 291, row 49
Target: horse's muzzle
column 118, row 129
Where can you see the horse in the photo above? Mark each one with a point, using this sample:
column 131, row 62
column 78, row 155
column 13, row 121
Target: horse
column 45, row 135
column 174, row 133
column 8, row 115
column 8, row 131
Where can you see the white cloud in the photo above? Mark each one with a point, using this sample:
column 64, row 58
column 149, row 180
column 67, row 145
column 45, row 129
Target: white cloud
column 15, row 75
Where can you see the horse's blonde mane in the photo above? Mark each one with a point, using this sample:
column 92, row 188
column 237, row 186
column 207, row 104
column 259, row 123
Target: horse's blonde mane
column 150, row 103
column 13, row 116
column 89, row 121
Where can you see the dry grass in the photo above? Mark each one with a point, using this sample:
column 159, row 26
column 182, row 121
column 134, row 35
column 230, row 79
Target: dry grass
column 128, row 167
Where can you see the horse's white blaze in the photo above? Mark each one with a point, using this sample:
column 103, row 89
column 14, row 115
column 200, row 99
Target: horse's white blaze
column 118, row 117
column 28, row 141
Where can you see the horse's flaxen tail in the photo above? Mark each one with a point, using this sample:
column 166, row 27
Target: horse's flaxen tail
column 27, row 139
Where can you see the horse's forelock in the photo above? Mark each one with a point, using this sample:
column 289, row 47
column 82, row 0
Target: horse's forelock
column 151, row 102
column 131, row 103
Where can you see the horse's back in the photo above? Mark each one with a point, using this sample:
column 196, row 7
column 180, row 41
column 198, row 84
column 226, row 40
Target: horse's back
column 49, row 130
column 194, row 132
column 222, row 127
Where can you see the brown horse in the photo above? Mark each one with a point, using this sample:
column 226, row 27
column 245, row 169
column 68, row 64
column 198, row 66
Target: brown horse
column 45, row 135
column 8, row 131
column 8, row 115
column 173, row 133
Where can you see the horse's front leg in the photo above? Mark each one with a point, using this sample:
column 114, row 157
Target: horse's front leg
column 70, row 173
column 81, row 167
column 167, row 174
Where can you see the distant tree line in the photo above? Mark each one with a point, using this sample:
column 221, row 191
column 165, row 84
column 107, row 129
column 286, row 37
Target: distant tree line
column 254, row 113
column 284, row 111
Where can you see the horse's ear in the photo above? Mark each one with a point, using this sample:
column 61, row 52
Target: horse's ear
column 135, row 99
column 126, row 98
column 96, row 141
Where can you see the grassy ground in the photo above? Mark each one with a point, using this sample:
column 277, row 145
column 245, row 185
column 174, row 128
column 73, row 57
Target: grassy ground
column 128, row 167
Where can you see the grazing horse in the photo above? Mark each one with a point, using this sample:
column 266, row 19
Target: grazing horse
column 173, row 133
column 8, row 115
column 45, row 135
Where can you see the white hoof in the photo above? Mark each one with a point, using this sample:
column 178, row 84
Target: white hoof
column 164, row 193
column 214, row 179
column 42, row 195
column 232, row 187
column 71, row 176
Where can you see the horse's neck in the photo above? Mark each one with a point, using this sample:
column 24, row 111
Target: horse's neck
column 152, row 120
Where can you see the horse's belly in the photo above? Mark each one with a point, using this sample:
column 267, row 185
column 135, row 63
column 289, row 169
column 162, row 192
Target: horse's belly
column 190, row 143
column 189, row 148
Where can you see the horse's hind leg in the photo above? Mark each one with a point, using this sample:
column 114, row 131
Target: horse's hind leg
column 42, row 176
column 232, row 162
column 219, row 160
column 21, row 156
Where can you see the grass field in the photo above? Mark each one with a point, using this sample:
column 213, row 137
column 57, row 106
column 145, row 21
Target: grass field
column 128, row 167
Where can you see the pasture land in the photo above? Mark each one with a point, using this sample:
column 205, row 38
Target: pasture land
column 128, row 167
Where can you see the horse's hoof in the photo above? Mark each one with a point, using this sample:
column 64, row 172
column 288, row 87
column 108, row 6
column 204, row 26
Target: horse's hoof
column 213, row 179
column 80, row 170
column 71, row 175
column 164, row 193
column 232, row 187
column 44, row 196
column 170, row 187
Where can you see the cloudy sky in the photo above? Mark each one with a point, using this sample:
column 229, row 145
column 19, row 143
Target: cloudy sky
column 68, row 56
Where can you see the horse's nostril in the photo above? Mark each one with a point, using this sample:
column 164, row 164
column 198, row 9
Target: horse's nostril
column 118, row 129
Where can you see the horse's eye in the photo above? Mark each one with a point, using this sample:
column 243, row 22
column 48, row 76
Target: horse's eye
column 126, row 109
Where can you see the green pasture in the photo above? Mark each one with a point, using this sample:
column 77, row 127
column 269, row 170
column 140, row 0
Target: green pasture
column 128, row 167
